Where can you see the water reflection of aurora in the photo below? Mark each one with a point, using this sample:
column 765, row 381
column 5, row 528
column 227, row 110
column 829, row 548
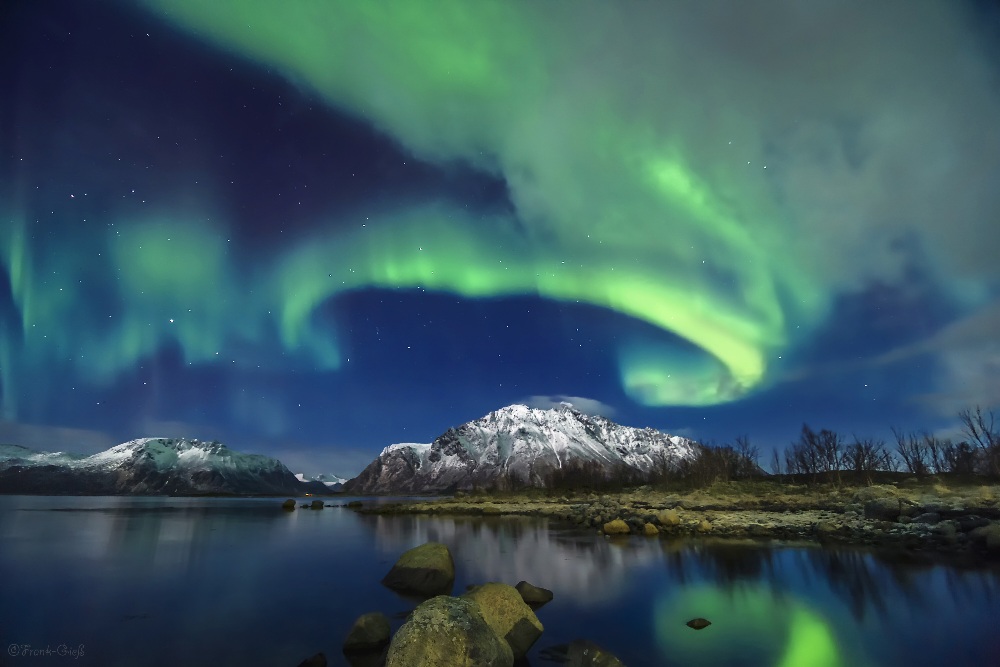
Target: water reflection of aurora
column 751, row 625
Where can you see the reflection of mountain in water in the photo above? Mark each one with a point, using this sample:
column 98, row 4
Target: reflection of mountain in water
column 574, row 563
column 591, row 570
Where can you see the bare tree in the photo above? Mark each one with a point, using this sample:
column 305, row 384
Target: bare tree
column 935, row 452
column 981, row 430
column 775, row 462
column 867, row 456
column 748, row 455
column 815, row 453
column 960, row 458
column 913, row 452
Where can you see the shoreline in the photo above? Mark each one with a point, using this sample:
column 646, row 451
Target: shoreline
column 915, row 519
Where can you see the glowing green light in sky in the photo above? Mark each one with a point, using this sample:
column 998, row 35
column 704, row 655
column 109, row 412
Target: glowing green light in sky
column 612, row 208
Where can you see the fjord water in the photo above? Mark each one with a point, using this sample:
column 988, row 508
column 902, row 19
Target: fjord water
column 183, row 581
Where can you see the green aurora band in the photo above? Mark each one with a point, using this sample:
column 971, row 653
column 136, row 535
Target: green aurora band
column 612, row 207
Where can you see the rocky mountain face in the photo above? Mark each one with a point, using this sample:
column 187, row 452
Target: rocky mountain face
column 518, row 443
column 148, row 466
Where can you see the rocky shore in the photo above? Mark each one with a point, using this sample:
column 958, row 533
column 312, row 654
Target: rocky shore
column 916, row 517
column 491, row 624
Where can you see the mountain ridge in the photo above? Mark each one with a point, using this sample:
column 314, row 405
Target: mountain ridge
column 149, row 466
column 519, row 443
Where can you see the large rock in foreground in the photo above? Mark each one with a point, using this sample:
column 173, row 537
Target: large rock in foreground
column 508, row 615
column 425, row 570
column 447, row 631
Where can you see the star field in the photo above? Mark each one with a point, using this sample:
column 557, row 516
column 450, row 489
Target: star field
column 316, row 231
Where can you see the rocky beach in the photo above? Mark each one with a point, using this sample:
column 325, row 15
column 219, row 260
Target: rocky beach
column 914, row 516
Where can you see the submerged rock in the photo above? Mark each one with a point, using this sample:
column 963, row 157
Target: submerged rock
column 509, row 616
column 584, row 653
column 318, row 660
column 533, row 596
column 698, row 623
column 425, row 570
column 448, row 631
column 370, row 632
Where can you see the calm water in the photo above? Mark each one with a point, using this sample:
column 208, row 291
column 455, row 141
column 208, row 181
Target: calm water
column 165, row 581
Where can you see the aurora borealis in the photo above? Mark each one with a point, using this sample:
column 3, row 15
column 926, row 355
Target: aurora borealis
column 315, row 230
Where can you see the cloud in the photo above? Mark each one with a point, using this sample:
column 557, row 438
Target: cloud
column 55, row 438
column 588, row 406
column 722, row 171
column 966, row 355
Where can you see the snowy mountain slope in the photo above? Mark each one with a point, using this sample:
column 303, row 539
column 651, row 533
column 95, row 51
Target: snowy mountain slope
column 146, row 466
column 332, row 482
column 518, row 441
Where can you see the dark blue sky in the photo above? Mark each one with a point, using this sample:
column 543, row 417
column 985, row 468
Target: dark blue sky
column 315, row 234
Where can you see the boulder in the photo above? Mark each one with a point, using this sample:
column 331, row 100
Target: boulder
column 508, row 615
column 698, row 623
column 668, row 518
column 316, row 505
column 533, row 596
column 649, row 530
column 425, row 570
column 288, row 504
column 448, row 631
column 704, row 526
column 988, row 535
column 883, row 509
column 318, row 660
column 370, row 632
column 616, row 527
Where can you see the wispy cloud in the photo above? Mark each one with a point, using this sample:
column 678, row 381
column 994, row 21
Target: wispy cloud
column 55, row 438
column 590, row 406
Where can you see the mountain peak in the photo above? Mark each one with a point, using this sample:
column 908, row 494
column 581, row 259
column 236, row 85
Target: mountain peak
column 519, row 442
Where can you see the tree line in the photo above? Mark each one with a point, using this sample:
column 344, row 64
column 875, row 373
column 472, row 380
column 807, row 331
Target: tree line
column 816, row 456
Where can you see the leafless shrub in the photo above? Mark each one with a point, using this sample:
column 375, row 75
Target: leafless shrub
column 912, row 451
column 980, row 428
column 867, row 456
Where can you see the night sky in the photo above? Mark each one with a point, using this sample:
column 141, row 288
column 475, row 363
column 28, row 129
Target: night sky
column 312, row 229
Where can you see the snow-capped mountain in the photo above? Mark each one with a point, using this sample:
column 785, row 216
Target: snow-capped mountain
column 147, row 466
column 332, row 482
column 524, row 443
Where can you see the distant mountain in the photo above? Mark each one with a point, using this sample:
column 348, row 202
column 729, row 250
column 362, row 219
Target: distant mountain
column 149, row 466
column 332, row 482
column 526, row 444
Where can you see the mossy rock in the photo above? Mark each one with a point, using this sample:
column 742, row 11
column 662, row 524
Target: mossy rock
column 533, row 596
column 425, row 570
column 616, row 527
column 509, row 616
column 448, row 631
column 370, row 632
column 649, row 530
column 668, row 518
